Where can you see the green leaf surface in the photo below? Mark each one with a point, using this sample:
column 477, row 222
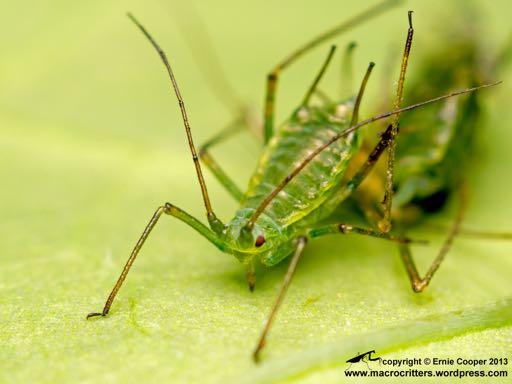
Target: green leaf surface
column 91, row 143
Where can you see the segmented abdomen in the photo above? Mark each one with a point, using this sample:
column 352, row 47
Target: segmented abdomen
column 314, row 184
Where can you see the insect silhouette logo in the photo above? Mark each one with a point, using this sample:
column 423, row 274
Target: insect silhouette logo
column 364, row 358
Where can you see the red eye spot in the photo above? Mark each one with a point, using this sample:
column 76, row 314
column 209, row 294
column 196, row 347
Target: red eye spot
column 260, row 240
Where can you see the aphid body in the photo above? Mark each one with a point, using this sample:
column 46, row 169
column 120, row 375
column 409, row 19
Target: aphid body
column 311, row 196
column 437, row 145
column 300, row 180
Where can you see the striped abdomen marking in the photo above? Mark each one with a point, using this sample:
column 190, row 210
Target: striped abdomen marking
column 311, row 187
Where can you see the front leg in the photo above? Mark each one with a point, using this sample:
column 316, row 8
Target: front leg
column 168, row 209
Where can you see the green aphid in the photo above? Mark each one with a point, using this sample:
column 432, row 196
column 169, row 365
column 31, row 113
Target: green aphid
column 438, row 141
column 301, row 178
column 436, row 145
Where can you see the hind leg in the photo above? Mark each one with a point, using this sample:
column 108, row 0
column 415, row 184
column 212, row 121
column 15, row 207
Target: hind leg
column 419, row 283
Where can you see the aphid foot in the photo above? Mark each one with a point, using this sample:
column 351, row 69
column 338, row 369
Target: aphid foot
column 250, row 276
column 256, row 353
column 95, row 314
column 251, row 282
column 419, row 286
column 384, row 225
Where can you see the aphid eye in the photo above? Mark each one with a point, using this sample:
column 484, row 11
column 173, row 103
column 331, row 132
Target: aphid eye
column 260, row 240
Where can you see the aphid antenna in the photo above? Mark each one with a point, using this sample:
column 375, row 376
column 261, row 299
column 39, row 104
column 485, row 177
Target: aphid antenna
column 318, row 77
column 205, row 56
column 215, row 223
column 346, row 132
column 355, row 113
column 356, row 20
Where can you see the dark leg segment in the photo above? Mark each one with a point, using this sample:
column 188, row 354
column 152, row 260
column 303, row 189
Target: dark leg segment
column 344, row 133
column 361, row 174
column 301, row 243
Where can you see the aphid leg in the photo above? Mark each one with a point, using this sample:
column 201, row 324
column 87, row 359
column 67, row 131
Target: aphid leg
column 357, row 104
column 168, row 209
column 250, row 276
column 347, row 71
column 273, row 76
column 385, row 223
column 299, row 249
column 359, row 176
column 351, row 185
column 418, row 283
column 318, row 77
column 235, row 127
column 346, row 229
column 215, row 224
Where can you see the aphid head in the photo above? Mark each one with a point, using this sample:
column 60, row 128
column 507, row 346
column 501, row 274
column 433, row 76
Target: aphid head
column 251, row 240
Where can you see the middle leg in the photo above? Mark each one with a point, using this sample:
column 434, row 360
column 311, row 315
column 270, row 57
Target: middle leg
column 231, row 129
column 299, row 249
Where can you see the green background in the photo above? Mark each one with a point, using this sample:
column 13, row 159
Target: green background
column 91, row 142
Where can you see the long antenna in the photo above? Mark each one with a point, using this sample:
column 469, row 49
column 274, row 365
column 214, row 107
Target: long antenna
column 204, row 191
column 369, row 13
column 273, row 76
column 346, row 132
column 207, row 60
column 319, row 76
